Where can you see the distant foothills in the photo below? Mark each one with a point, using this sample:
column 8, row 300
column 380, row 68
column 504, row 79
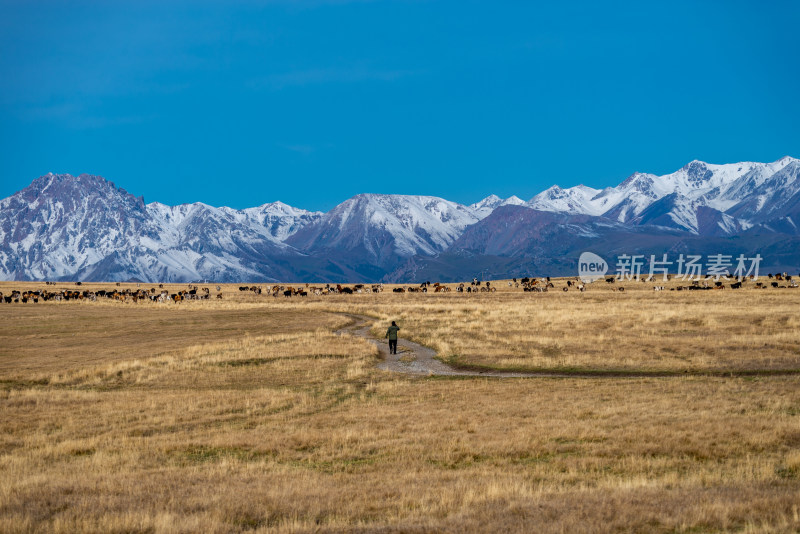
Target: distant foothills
column 84, row 228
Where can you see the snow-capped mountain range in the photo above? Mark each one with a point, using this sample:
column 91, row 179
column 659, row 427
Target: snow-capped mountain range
column 86, row 228
column 743, row 193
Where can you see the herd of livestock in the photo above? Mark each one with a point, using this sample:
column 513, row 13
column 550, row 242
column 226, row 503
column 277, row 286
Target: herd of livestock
column 137, row 295
column 194, row 292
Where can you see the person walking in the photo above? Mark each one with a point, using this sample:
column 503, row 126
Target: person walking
column 392, row 335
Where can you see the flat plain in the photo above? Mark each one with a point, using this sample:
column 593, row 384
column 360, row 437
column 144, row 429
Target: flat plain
column 680, row 412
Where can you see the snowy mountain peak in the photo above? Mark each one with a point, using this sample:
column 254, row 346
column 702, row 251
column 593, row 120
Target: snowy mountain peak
column 87, row 228
column 554, row 191
column 579, row 200
column 698, row 171
column 696, row 185
column 492, row 202
column 781, row 163
column 639, row 182
column 383, row 227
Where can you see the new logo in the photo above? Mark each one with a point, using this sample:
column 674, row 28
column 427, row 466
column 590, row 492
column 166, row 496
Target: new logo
column 591, row 267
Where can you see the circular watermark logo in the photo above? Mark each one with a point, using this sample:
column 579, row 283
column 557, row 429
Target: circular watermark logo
column 591, row 267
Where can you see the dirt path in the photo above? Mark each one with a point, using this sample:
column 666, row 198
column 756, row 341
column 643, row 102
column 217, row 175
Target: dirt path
column 413, row 358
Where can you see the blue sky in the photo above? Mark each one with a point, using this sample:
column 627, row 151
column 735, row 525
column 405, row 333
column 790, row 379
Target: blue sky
column 240, row 103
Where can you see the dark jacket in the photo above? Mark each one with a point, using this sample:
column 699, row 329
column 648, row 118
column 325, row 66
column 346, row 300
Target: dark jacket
column 392, row 333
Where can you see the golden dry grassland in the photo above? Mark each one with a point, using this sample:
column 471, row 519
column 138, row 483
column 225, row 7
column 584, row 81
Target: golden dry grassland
column 601, row 329
column 250, row 414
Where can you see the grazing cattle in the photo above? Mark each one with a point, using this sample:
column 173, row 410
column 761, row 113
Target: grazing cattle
column 736, row 285
column 610, row 280
column 535, row 289
column 774, row 284
column 398, row 290
column 658, row 288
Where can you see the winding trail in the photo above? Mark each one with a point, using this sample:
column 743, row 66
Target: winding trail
column 415, row 359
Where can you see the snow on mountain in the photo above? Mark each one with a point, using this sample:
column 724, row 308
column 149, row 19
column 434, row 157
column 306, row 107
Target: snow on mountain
column 767, row 195
column 85, row 227
column 486, row 206
column 379, row 228
column 744, row 193
column 52, row 227
column 577, row 200
column 281, row 220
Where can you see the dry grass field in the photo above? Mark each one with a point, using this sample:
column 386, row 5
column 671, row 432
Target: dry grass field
column 249, row 414
column 602, row 329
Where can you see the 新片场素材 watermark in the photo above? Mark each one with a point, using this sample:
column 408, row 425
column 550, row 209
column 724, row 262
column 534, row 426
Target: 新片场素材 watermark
column 592, row 267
